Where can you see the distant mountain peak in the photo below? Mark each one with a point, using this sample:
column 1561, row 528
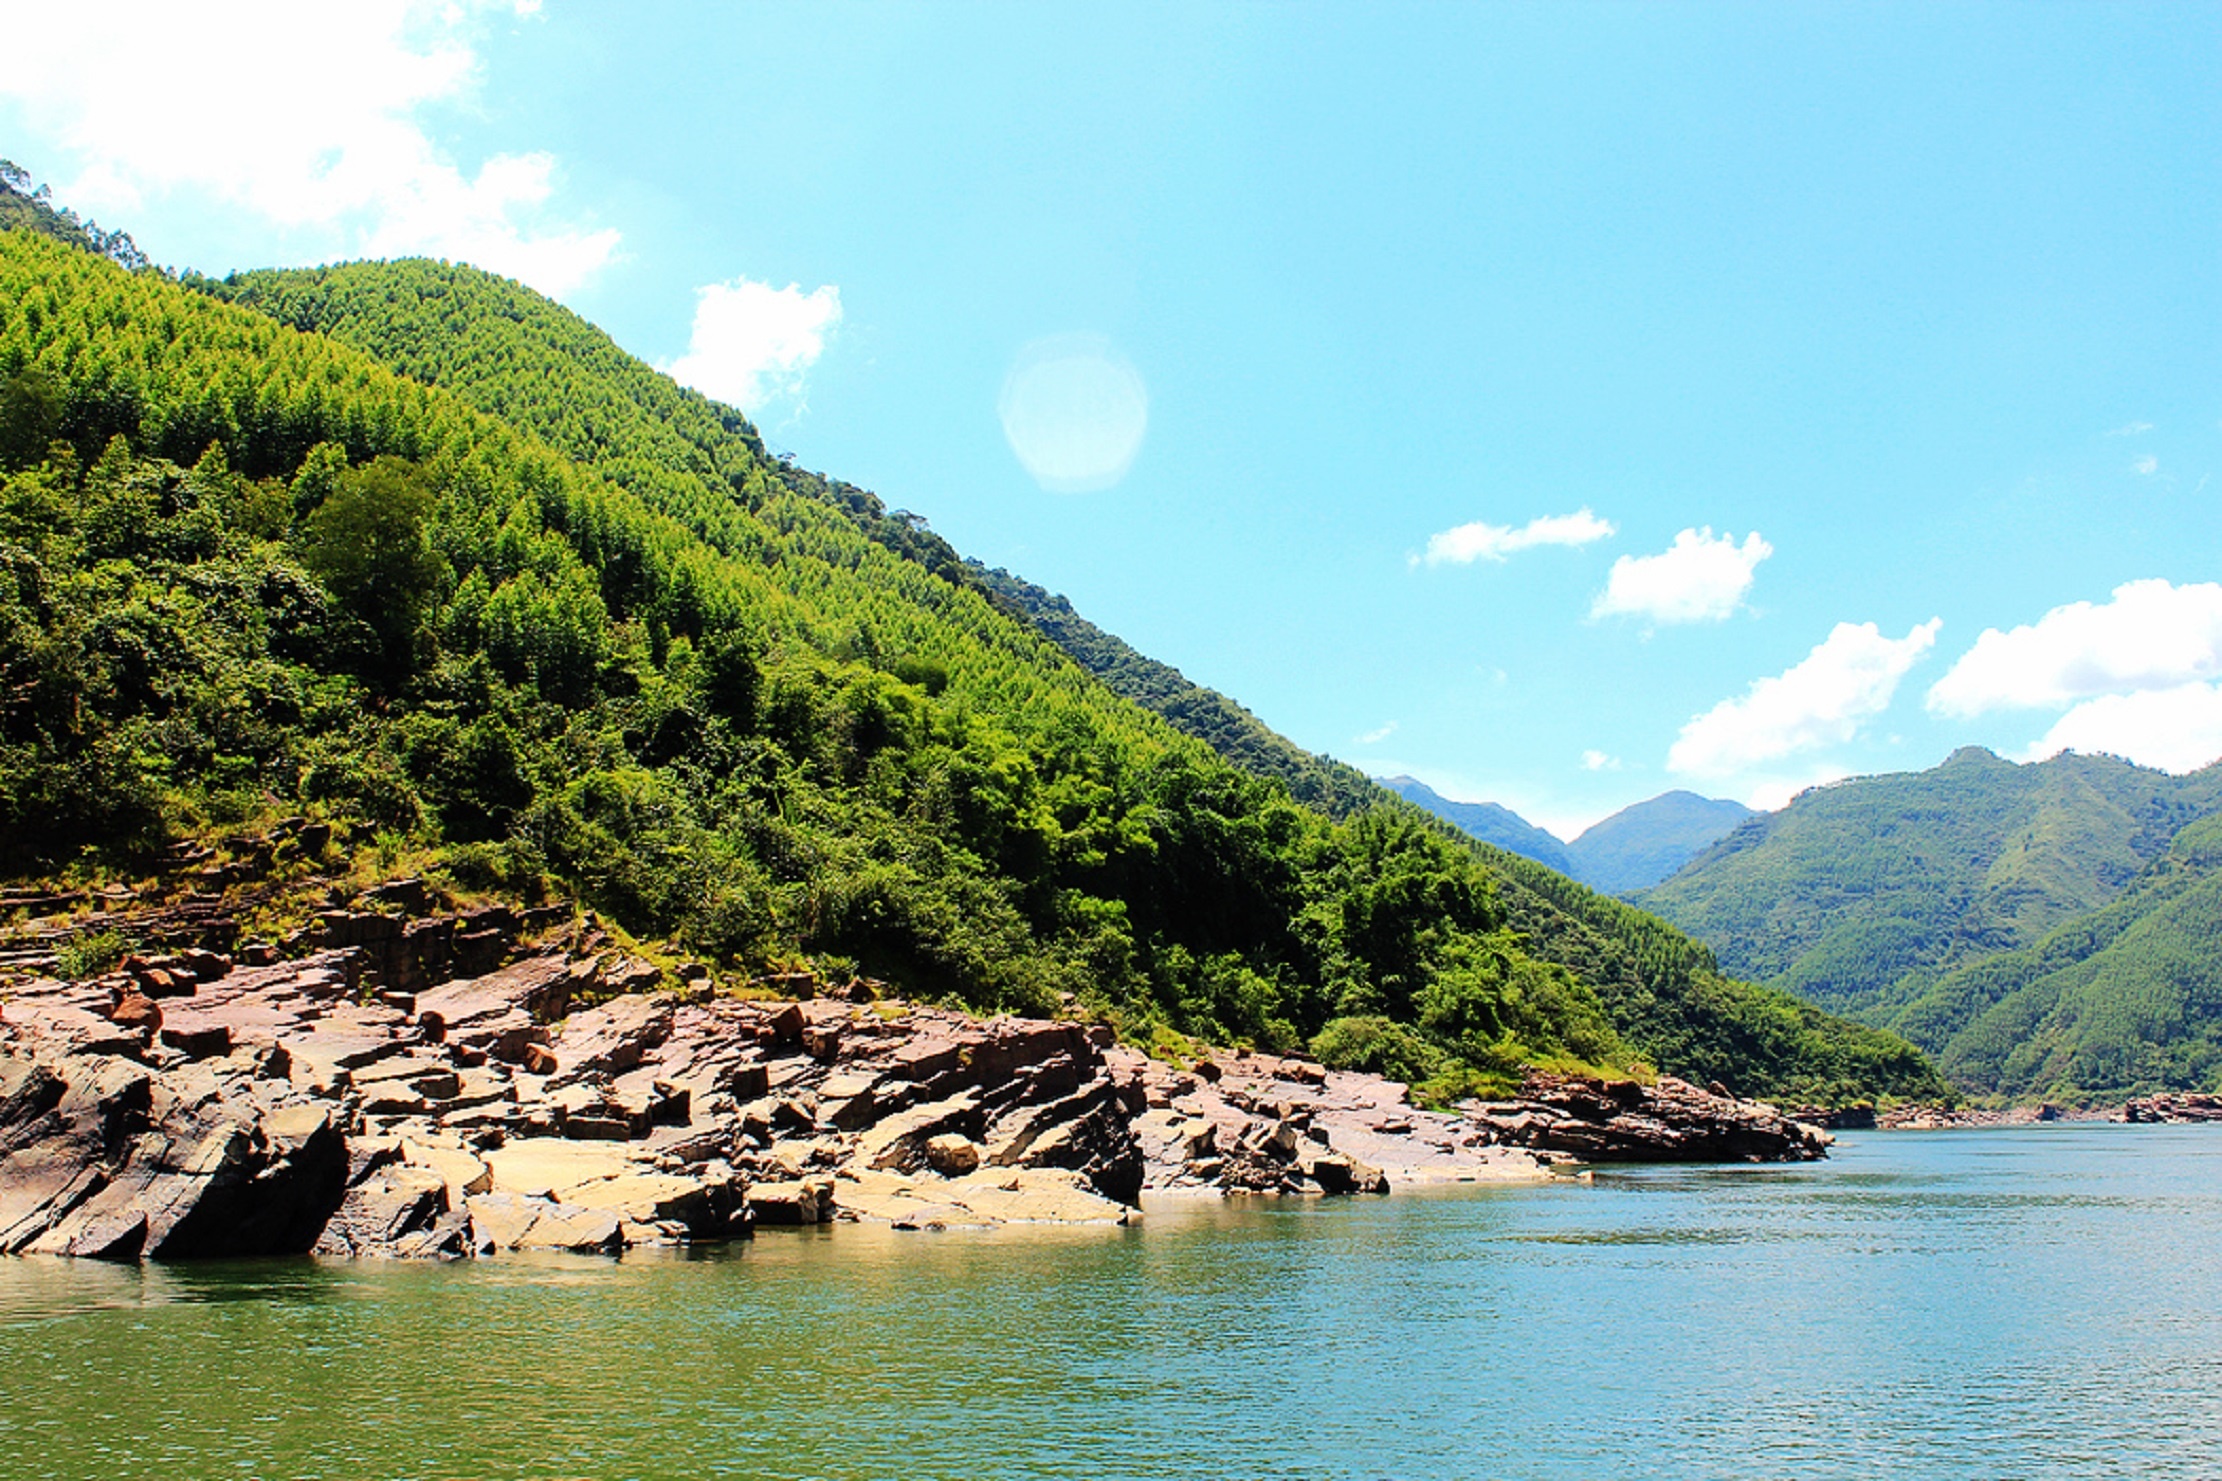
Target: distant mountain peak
column 1648, row 841
column 1974, row 756
column 1635, row 847
column 1490, row 822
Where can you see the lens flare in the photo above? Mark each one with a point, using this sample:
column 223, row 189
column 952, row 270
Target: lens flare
column 1074, row 411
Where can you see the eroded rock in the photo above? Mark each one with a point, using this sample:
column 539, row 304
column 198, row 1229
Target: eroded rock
column 400, row 1087
column 1593, row 1120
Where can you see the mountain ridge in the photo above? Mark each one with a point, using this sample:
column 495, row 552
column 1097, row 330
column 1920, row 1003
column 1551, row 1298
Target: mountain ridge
column 1638, row 846
column 1947, row 904
column 1491, row 822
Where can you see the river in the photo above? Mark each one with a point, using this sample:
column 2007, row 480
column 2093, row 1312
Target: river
column 2030, row 1302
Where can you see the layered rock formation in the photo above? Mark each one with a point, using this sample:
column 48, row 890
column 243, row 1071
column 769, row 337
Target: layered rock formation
column 253, row 1110
column 2168, row 1110
column 395, row 1080
column 1260, row 1123
column 1592, row 1120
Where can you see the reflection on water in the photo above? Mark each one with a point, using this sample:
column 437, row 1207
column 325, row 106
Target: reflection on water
column 2032, row 1302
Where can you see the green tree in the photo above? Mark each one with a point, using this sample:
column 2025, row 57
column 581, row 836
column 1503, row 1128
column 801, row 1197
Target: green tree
column 367, row 543
column 30, row 416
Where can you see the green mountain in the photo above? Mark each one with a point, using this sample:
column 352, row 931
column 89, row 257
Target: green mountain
column 2127, row 999
column 1491, row 823
column 1945, row 903
column 409, row 547
column 1645, row 842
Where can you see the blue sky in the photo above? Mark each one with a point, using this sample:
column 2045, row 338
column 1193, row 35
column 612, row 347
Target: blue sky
column 1557, row 403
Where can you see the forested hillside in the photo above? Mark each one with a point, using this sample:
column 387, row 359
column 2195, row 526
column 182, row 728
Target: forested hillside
column 1236, row 734
column 533, row 611
column 2033, row 925
column 2127, row 999
column 1853, row 886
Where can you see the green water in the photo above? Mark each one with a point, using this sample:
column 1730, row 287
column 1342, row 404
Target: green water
column 2041, row 1302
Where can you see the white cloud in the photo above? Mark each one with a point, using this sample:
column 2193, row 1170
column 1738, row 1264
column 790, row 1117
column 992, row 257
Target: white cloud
column 1468, row 543
column 2147, row 465
column 310, row 116
column 1376, row 737
column 1599, row 761
column 1821, row 700
column 1774, row 793
column 752, row 343
column 2150, row 635
column 2131, row 429
column 2178, row 729
column 1700, row 577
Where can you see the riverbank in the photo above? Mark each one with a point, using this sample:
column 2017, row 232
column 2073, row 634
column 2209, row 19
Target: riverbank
column 399, row 1080
column 2177, row 1108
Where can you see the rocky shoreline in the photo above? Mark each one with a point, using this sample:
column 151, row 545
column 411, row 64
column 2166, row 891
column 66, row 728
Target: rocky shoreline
column 2167, row 1109
column 398, row 1080
column 2173, row 1110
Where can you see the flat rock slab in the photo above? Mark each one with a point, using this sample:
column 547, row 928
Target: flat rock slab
column 981, row 1200
column 540, row 1167
column 463, row 1171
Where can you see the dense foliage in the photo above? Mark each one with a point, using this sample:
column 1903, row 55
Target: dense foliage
column 2125, row 1000
column 1211, row 717
column 1980, row 909
column 534, row 608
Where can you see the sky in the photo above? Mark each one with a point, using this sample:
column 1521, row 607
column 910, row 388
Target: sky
column 1559, row 404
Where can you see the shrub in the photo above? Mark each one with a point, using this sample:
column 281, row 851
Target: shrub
column 1378, row 1046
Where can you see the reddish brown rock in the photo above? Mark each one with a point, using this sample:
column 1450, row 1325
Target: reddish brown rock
column 138, row 1012
column 784, row 1026
column 398, row 1092
column 195, row 1035
column 2187, row 1106
column 1624, row 1121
